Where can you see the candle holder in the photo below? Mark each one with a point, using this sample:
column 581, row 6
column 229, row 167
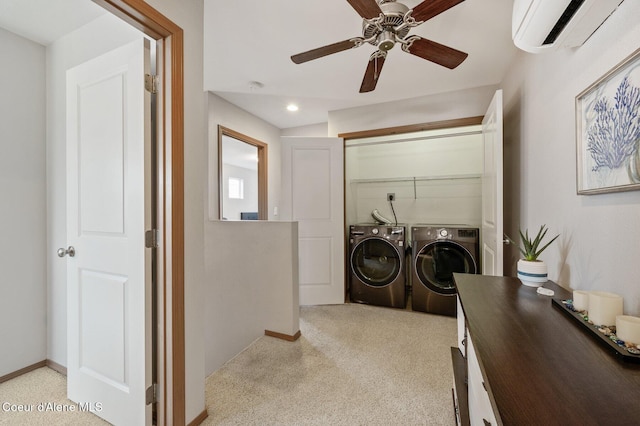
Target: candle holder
column 605, row 335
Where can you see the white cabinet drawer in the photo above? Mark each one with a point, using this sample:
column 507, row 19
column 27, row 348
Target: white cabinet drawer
column 461, row 329
column 480, row 410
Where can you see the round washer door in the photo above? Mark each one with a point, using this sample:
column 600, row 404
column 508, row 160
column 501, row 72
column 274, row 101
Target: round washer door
column 376, row 262
column 437, row 261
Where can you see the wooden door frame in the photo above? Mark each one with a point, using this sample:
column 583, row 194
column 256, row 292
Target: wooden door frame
column 171, row 364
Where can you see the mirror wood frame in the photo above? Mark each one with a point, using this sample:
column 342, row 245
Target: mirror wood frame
column 263, row 203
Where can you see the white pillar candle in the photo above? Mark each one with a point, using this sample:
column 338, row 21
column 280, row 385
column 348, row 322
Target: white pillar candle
column 628, row 328
column 604, row 307
column 581, row 300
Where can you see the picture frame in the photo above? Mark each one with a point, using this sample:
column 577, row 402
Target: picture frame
column 608, row 131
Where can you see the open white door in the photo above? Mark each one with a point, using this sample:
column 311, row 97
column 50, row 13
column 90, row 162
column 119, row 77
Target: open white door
column 109, row 279
column 492, row 219
column 313, row 187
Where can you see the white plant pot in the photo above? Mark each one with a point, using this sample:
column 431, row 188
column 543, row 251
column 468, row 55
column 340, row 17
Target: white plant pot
column 532, row 273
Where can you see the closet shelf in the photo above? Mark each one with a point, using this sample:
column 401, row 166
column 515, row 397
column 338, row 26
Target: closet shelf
column 417, row 178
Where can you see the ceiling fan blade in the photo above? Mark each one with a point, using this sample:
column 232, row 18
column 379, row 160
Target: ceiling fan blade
column 436, row 52
column 430, row 8
column 372, row 74
column 325, row 50
column 368, row 9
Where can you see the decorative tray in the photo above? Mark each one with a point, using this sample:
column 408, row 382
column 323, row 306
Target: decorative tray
column 605, row 335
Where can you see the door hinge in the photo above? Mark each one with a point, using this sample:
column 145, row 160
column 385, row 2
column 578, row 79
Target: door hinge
column 152, row 238
column 152, row 394
column 151, row 83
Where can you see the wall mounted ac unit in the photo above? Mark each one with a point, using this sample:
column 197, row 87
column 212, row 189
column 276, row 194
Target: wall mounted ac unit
column 541, row 25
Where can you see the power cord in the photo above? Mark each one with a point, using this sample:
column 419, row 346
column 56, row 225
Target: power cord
column 394, row 212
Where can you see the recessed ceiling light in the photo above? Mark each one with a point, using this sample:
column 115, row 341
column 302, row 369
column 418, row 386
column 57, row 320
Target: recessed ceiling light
column 292, row 107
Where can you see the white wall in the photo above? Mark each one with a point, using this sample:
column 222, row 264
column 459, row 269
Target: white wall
column 253, row 286
column 375, row 167
column 73, row 49
column 251, row 266
column 230, row 116
column 598, row 247
column 23, row 213
column 425, row 109
column 312, row 130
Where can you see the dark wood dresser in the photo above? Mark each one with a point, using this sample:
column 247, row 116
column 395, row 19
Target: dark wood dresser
column 537, row 365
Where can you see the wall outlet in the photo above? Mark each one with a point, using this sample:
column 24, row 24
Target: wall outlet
column 391, row 196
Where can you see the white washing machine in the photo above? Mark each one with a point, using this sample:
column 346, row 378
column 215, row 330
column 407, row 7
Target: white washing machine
column 438, row 252
column 377, row 265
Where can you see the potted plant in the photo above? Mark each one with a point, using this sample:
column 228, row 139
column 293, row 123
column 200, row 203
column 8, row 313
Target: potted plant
column 532, row 271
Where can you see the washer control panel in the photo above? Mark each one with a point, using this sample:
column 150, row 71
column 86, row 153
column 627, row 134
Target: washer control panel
column 388, row 232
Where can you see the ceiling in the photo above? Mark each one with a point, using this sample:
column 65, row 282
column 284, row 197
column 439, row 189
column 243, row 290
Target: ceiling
column 238, row 153
column 252, row 40
column 45, row 21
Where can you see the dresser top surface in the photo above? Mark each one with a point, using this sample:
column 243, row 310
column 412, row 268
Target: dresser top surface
column 538, row 363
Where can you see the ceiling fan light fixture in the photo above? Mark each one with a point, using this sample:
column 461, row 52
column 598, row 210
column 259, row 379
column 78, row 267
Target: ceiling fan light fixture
column 386, row 40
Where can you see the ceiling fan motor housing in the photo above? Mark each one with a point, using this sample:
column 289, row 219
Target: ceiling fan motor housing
column 393, row 16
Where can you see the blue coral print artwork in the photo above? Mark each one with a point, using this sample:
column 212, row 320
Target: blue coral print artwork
column 610, row 132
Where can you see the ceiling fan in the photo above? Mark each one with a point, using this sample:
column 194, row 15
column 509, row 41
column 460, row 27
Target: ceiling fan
column 385, row 23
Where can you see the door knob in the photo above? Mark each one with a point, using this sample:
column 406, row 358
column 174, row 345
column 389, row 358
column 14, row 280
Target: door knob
column 70, row 251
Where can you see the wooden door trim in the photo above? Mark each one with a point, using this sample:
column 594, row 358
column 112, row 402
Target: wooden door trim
column 145, row 18
column 435, row 125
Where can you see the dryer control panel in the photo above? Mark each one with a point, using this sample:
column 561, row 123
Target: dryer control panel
column 444, row 233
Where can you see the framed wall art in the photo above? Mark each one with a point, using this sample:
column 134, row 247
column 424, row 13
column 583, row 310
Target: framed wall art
column 608, row 131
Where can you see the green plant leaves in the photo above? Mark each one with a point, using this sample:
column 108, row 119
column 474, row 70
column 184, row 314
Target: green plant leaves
column 529, row 247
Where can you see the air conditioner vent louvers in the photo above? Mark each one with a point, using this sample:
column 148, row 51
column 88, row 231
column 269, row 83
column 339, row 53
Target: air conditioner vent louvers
column 564, row 19
column 544, row 25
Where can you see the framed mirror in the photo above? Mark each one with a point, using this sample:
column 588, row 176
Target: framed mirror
column 242, row 167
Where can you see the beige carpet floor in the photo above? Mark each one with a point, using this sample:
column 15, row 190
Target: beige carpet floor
column 41, row 386
column 354, row 365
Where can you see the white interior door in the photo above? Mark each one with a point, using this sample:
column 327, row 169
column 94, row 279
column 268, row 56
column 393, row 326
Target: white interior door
column 492, row 227
column 109, row 291
column 313, row 188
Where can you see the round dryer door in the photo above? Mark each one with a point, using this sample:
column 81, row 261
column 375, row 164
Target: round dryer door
column 436, row 263
column 376, row 262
